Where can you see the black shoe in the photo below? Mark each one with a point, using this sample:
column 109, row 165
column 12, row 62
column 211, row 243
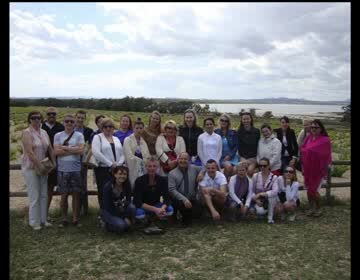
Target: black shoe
column 63, row 224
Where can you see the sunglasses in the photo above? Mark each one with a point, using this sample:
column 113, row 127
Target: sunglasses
column 289, row 171
column 315, row 127
column 262, row 165
column 35, row 118
column 51, row 114
column 224, row 120
column 171, row 128
column 108, row 126
column 69, row 121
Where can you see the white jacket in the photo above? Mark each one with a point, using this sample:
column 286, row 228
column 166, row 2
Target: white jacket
column 232, row 194
column 209, row 147
column 161, row 147
column 135, row 164
column 102, row 151
column 270, row 148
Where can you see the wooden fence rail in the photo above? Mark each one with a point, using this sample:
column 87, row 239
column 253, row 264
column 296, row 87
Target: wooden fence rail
column 327, row 186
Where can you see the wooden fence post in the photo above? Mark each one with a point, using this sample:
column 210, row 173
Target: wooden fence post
column 328, row 185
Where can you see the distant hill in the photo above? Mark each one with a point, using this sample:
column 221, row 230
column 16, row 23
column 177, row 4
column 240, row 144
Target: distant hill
column 280, row 100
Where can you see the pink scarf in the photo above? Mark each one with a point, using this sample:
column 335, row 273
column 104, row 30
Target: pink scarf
column 315, row 158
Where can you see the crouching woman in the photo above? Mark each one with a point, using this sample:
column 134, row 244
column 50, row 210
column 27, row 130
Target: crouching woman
column 117, row 211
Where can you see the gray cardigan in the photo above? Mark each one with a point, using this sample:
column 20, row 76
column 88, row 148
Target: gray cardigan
column 176, row 182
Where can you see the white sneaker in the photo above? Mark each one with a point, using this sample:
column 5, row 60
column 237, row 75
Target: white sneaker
column 47, row 224
column 260, row 210
column 36, row 227
column 271, row 222
column 291, row 217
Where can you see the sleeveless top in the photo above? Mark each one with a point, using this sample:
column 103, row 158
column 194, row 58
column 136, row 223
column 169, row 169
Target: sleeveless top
column 40, row 144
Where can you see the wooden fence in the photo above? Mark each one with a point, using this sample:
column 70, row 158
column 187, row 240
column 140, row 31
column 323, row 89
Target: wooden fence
column 327, row 186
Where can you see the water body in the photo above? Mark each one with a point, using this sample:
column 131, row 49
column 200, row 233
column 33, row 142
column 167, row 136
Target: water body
column 294, row 110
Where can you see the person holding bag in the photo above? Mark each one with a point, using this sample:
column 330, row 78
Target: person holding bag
column 168, row 147
column 36, row 145
column 69, row 146
column 108, row 152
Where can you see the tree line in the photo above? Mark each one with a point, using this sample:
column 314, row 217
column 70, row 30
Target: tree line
column 134, row 104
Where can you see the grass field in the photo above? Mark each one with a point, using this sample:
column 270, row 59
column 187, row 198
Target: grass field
column 309, row 248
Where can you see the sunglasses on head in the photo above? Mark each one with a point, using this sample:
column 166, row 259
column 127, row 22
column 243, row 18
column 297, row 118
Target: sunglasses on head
column 289, row 171
column 224, row 120
column 69, row 121
column 35, row 118
column 263, row 165
column 108, row 126
column 51, row 114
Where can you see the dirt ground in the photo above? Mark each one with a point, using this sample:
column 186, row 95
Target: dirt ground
column 17, row 184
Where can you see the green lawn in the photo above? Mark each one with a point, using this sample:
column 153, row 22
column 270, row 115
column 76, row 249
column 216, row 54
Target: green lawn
column 310, row 248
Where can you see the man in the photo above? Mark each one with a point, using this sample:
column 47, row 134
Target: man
column 213, row 189
column 69, row 146
column 51, row 126
column 86, row 132
column 183, row 188
column 148, row 190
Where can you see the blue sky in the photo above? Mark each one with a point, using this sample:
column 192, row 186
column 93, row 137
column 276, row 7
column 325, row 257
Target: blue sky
column 188, row 50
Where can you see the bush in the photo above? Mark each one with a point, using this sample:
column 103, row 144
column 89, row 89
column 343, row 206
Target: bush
column 267, row 115
column 338, row 170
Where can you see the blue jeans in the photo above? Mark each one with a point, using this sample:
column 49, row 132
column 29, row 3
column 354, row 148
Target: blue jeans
column 284, row 163
column 115, row 223
column 140, row 212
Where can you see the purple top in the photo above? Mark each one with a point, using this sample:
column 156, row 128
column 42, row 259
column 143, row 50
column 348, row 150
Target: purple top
column 241, row 186
column 122, row 135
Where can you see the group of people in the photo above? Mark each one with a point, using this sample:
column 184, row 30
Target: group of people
column 172, row 172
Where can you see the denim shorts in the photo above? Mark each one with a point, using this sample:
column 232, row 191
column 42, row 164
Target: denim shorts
column 69, row 182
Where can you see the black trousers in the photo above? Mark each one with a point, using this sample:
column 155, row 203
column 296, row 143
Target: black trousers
column 188, row 213
column 102, row 175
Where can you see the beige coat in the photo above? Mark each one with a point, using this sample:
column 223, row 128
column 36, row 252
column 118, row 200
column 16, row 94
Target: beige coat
column 135, row 164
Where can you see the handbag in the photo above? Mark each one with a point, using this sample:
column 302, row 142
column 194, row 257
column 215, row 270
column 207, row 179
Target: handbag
column 46, row 167
column 172, row 156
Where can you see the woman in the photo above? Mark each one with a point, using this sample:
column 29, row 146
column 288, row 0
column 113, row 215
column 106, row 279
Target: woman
column 190, row 131
column 168, row 147
column 136, row 151
column 229, row 156
column 35, row 145
column 125, row 128
column 270, row 147
column 315, row 159
column 288, row 194
column 289, row 148
column 264, row 191
column 118, row 212
column 248, row 139
column 152, row 131
column 209, row 144
column 108, row 152
column 239, row 195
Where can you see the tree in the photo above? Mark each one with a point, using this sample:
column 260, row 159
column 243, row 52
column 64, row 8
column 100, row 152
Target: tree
column 347, row 113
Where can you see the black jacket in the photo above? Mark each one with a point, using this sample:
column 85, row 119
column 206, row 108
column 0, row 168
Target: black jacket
column 292, row 147
column 190, row 136
column 143, row 193
column 58, row 127
column 248, row 142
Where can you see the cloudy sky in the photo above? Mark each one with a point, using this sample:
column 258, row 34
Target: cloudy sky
column 187, row 50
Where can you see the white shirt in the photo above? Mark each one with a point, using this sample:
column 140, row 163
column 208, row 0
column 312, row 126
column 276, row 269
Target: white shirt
column 209, row 147
column 103, row 153
column 217, row 182
column 270, row 148
column 290, row 190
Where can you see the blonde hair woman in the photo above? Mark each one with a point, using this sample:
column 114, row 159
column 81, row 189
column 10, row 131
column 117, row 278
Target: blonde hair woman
column 168, row 147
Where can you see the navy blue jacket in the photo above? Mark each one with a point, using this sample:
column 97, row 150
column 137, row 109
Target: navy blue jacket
column 232, row 139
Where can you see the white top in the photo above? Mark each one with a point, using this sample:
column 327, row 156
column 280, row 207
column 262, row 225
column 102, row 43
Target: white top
column 290, row 190
column 285, row 143
column 209, row 147
column 271, row 185
column 217, row 182
column 270, row 148
column 102, row 151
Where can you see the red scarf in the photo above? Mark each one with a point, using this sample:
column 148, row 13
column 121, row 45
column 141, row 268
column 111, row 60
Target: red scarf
column 315, row 158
